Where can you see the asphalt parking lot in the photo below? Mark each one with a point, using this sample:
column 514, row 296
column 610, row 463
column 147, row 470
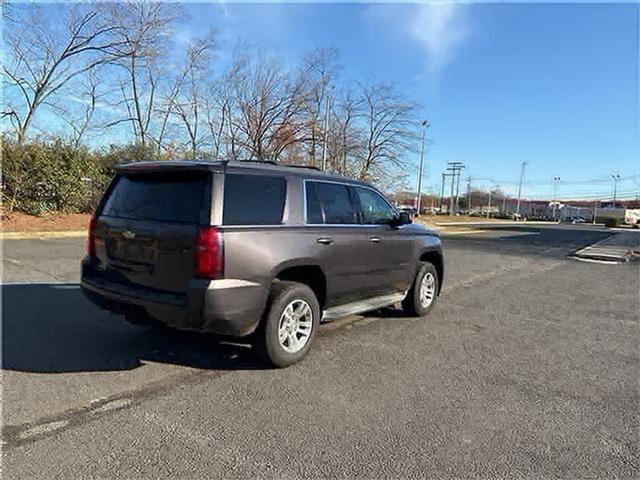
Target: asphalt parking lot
column 527, row 367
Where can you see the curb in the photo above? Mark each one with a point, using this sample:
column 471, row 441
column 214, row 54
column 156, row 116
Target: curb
column 445, row 232
column 493, row 224
column 27, row 235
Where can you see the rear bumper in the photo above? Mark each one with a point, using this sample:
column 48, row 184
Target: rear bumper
column 227, row 307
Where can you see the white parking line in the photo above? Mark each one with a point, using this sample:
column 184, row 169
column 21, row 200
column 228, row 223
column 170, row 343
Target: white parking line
column 593, row 260
column 43, row 428
column 603, row 252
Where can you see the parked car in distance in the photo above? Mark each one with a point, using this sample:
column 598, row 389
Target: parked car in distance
column 407, row 208
column 253, row 250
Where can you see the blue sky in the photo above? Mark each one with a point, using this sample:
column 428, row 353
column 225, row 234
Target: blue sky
column 554, row 85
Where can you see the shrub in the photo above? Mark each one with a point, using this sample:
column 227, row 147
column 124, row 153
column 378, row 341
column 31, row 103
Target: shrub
column 45, row 177
column 611, row 222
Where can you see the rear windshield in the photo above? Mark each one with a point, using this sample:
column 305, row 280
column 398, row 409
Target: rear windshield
column 165, row 197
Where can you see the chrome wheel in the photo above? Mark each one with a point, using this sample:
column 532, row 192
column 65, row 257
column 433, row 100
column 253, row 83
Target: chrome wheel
column 295, row 326
column 427, row 289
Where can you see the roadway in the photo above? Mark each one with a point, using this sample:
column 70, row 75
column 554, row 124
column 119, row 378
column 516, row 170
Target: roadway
column 527, row 367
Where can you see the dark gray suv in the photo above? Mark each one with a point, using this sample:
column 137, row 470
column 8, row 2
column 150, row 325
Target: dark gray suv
column 253, row 249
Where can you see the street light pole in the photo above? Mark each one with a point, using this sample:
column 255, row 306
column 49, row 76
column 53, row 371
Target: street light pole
column 326, row 128
column 555, row 194
column 425, row 125
column 520, row 188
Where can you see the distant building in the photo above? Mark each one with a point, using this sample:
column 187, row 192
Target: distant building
column 569, row 212
column 485, row 209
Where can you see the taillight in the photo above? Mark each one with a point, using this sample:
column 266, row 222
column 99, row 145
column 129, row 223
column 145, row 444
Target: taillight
column 91, row 238
column 209, row 253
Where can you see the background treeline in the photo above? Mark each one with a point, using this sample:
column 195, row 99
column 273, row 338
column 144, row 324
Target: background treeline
column 98, row 83
column 42, row 177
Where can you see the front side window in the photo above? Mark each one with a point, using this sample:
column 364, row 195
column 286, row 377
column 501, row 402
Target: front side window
column 329, row 203
column 253, row 199
column 375, row 209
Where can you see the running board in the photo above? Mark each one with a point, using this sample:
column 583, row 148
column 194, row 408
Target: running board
column 361, row 306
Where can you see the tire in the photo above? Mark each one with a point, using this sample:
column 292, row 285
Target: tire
column 413, row 303
column 281, row 339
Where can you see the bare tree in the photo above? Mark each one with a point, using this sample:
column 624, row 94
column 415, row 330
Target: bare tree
column 347, row 138
column 218, row 106
column 320, row 67
column 221, row 111
column 191, row 85
column 268, row 106
column 390, row 130
column 144, row 29
column 80, row 119
column 165, row 111
column 110, row 62
column 42, row 57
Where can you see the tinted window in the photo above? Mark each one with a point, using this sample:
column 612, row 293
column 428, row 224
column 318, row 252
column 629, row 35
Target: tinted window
column 253, row 199
column 374, row 207
column 165, row 197
column 329, row 203
column 314, row 209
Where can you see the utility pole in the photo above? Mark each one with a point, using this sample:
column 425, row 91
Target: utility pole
column 442, row 191
column 457, row 190
column 425, row 125
column 504, row 204
column 520, row 188
column 453, row 181
column 616, row 178
column 555, row 194
column 469, row 195
column 489, row 206
column 444, row 183
column 455, row 168
column 326, row 128
column 595, row 211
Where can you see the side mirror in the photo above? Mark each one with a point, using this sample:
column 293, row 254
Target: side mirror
column 403, row 218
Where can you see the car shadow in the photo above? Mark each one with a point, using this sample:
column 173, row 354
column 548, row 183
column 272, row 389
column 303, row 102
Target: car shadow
column 391, row 313
column 53, row 328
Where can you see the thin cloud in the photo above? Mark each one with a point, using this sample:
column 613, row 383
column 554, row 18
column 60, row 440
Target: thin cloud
column 98, row 104
column 441, row 28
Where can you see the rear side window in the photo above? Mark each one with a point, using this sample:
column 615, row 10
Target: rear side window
column 164, row 197
column 329, row 203
column 253, row 199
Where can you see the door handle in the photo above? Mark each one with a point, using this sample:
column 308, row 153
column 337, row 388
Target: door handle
column 325, row 240
column 374, row 239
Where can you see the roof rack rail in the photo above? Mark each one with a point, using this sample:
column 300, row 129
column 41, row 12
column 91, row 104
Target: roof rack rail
column 312, row 167
column 270, row 162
